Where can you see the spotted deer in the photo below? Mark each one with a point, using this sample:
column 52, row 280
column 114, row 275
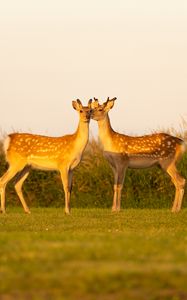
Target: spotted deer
column 123, row 151
column 25, row 151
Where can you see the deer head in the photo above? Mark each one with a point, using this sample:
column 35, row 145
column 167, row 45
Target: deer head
column 84, row 111
column 101, row 110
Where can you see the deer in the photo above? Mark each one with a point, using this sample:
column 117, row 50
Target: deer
column 123, row 151
column 24, row 151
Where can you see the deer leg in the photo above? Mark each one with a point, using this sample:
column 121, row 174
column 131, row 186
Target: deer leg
column 18, row 188
column 70, row 177
column 114, row 205
column 66, row 176
column 119, row 189
column 10, row 173
column 179, row 183
column 121, row 176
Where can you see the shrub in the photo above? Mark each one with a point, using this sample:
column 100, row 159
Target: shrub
column 93, row 185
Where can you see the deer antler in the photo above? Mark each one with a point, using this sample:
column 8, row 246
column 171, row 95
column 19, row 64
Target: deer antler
column 108, row 99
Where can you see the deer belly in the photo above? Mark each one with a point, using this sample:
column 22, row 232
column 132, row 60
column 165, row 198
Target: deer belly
column 132, row 161
column 42, row 163
column 140, row 162
column 116, row 159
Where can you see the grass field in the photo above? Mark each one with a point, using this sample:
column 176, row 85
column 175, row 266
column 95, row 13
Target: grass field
column 93, row 254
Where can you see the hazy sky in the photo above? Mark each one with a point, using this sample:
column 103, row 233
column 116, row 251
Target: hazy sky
column 52, row 52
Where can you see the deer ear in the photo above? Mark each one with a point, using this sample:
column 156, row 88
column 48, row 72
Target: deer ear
column 109, row 104
column 90, row 103
column 74, row 104
column 77, row 105
column 79, row 102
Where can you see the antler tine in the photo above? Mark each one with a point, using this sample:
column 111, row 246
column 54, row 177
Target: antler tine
column 96, row 99
column 108, row 99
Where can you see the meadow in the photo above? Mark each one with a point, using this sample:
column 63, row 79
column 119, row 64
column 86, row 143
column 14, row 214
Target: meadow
column 139, row 253
column 93, row 254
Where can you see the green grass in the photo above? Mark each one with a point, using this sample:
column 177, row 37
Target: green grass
column 93, row 254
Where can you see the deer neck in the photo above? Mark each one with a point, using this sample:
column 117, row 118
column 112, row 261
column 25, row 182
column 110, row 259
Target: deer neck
column 81, row 136
column 105, row 133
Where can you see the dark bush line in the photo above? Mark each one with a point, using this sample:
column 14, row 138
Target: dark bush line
column 93, row 185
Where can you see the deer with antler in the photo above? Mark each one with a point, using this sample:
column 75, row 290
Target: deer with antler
column 25, row 151
column 123, row 151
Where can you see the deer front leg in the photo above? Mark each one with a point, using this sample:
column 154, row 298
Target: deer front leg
column 66, row 176
column 10, row 173
column 18, row 188
column 119, row 175
column 114, row 205
column 2, row 192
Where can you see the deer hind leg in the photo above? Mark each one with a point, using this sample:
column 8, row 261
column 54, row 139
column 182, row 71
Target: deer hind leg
column 66, row 176
column 18, row 187
column 10, row 173
column 179, row 183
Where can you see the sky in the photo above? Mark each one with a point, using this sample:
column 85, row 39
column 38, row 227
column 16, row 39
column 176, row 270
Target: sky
column 55, row 51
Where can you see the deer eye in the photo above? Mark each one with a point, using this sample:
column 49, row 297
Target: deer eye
column 81, row 111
